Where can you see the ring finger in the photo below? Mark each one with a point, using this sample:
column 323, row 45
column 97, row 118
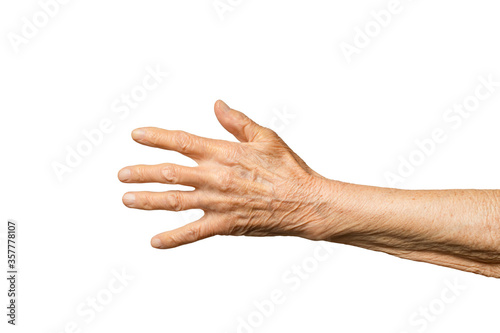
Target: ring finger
column 171, row 200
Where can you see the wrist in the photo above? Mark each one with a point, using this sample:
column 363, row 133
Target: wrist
column 352, row 211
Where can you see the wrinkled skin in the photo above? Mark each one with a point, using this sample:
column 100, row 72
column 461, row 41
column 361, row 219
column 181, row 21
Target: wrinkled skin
column 260, row 187
column 255, row 187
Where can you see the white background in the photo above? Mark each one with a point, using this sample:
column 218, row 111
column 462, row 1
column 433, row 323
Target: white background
column 351, row 122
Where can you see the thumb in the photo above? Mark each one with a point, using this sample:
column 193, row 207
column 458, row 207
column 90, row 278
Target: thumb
column 238, row 124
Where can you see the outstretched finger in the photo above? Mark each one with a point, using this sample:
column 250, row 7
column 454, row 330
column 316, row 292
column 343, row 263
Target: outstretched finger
column 185, row 143
column 170, row 200
column 163, row 173
column 190, row 233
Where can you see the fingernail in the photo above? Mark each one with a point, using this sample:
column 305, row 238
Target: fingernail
column 128, row 199
column 224, row 107
column 124, row 175
column 138, row 134
column 156, row 242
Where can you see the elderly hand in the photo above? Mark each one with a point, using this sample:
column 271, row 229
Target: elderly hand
column 260, row 187
column 257, row 187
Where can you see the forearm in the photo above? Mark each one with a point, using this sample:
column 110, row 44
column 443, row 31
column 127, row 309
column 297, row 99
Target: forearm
column 453, row 228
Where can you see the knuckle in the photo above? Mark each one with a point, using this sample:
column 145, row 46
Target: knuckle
column 247, row 127
column 170, row 174
column 183, row 140
column 174, row 201
column 192, row 233
column 218, row 204
column 154, row 137
column 230, row 152
column 174, row 239
column 138, row 173
column 223, row 206
column 224, row 180
column 269, row 132
column 147, row 202
column 234, row 153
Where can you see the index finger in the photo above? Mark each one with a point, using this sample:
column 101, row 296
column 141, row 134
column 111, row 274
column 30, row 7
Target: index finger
column 185, row 143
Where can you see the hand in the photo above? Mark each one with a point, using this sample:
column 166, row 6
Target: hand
column 260, row 187
column 257, row 187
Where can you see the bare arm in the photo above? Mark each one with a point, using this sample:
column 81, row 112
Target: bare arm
column 453, row 228
column 260, row 187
